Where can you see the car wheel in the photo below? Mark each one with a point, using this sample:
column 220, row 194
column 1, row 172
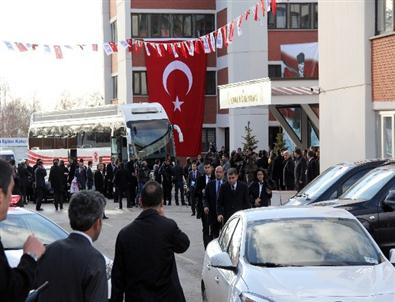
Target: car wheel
column 204, row 295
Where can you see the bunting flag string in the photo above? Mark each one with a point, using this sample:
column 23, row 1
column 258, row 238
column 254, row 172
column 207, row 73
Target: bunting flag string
column 207, row 43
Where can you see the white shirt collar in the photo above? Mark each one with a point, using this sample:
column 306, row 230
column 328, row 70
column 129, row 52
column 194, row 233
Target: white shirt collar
column 83, row 234
column 235, row 185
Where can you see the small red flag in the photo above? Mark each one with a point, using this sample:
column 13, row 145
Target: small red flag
column 113, row 46
column 247, row 13
column 273, row 6
column 263, row 7
column 58, row 51
column 21, row 46
column 256, row 18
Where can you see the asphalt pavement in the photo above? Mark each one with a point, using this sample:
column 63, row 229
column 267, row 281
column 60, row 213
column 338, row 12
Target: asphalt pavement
column 189, row 264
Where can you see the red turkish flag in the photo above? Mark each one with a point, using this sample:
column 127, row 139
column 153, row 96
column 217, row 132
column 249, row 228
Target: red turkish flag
column 179, row 85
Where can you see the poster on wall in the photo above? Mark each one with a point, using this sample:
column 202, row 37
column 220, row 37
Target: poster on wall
column 299, row 60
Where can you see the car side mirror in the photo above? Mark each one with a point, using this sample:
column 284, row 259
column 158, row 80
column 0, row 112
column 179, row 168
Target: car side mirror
column 392, row 256
column 390, row 199
column 222, row 260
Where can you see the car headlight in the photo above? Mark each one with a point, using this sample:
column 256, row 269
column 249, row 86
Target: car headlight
column 108, row 269
column 250, row 297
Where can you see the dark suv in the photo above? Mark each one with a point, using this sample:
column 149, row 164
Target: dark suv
column 372, row 201
column 333, row 182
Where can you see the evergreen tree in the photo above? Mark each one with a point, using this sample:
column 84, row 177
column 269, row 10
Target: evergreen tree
column 250, row 141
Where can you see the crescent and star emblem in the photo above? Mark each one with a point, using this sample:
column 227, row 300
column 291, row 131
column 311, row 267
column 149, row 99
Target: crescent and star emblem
column 181, row 66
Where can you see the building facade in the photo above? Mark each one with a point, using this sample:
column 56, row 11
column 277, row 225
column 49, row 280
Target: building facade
column 357, row 82
column 256, row 54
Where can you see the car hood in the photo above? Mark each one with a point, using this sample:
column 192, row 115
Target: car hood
column 353, row 283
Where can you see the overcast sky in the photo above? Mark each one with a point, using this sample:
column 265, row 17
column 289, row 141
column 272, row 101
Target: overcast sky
column 51, row 22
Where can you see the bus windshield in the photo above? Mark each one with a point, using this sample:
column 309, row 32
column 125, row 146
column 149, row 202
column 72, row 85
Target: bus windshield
column 151, row 137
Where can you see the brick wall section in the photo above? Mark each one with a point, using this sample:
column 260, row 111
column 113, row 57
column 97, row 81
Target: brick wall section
column 222, row 17
column 383, row 68
column 174, row 4
column 278, row 37
column 113, row 8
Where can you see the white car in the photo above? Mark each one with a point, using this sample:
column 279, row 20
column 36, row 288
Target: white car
column 296, row 254
column 20, row 223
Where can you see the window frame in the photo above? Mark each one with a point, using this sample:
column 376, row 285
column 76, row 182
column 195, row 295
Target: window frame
column 140, row 72
column 206, row 143
column 114, row 85
column 312, row 6
column 384, row 115
column 114, row 31
column 206, row 90
column 380, row 6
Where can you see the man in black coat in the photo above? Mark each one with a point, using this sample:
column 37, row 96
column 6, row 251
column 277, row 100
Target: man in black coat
column 74, row 269
column 233, row 196
column 300, row 170
column 99, row 182
column 312, row 170
column 260, row 191
column 192, row 182
column 122, row 180
column 89, row 176
column 110, row 172
column 178, row 179
column 288, row 172
column 15, row 283
column 165, row 171
column 201, row 184
column 58, row 184
column 40, row 174
column 144, row 267
column 210, row 202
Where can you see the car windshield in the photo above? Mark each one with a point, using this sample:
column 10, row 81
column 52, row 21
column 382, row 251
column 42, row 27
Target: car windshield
column 369, row 185
column 16, row 228
column 320, row 184
column 7, row 157
column 309, row 242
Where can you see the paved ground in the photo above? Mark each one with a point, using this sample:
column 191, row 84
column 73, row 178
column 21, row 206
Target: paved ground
column 189, row 264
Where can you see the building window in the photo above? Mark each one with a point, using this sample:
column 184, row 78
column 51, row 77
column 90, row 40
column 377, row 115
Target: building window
column 182, row 26
column 139, row 83
column 208, row 136
column 387, row 136
column 315, row 15
column 140, row 25
column 294, row 16
column 171, row 25
column 115, row 87
column 160, row 26
column 385, row 16
column 274, row 71
column 114, row 33
column 211, row 83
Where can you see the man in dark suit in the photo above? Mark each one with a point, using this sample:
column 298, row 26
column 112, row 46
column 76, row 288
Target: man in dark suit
column 202, row 182
column 192, row 182
column 89, row 176
column 80, row 174
column 312, row 170
column 122, row 180
column 15, row 283
column 144, row 268
column 233, row 196
column 110, row 172
column 39, row 175
column 178, row 180
column 260, row 191
column 210, row 201
column 288, row 172
column 75, row 270
column 300, row 170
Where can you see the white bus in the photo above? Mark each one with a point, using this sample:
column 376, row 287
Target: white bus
column 140, row 130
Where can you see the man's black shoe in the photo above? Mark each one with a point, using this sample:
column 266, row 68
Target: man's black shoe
column 193, row 214
column 105, row 217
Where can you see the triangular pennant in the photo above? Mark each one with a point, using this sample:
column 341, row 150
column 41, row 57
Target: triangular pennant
column 47, row 48
column 256, row 9
column 34, row 46
column 82, row 46
column 124, row 44
column 157, row 46
column 219, row 43
column 239, row 22
column 206, row 44
column 173, row 48
column 9, row 45
column 107, row 48
column 212, row 42
column 58, row 52
column 267, row 5
column 113, row 46
column 68, row 47
column 273, row 7
column 165, row 46
column 247, row 14
column 231, row 31
column 95, row 47
column 263, row 7
column 146, row 49
column 20, row 46
column 190, row 45
column 224, row 30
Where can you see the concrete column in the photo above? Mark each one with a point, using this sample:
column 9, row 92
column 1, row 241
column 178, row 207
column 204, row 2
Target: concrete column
column 247, row 59
column 347, row 120
column 107, row 83
column 125, row 94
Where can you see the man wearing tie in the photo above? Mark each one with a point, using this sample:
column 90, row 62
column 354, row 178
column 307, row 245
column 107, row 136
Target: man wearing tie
column 210, row 202
column 233, row 196
column 192, row 182
column 202, row 182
